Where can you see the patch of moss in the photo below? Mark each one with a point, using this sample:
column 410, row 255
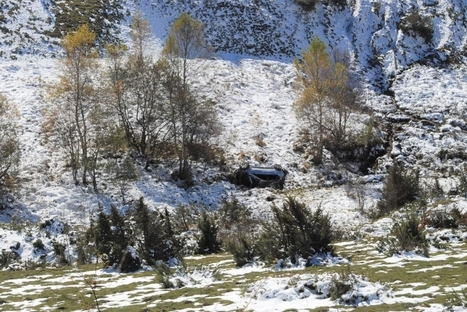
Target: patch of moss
column 101, row 15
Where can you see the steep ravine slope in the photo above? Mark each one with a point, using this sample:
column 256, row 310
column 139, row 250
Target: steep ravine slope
column 252, row 79
column 382, row 38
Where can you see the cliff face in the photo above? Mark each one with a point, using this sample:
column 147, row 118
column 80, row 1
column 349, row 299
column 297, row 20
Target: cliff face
column 382, row 37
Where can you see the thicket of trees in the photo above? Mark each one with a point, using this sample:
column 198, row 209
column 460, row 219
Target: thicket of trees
column 148, row 107
column 137, row 109
column 126, row 241
column 136, row 83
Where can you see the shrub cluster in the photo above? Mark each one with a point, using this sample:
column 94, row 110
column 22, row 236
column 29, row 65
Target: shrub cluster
column 363, row 146
column 416, row 24
column 243, row 249
column 126, row 241
column 60, row 252
column 406, row 235
column 208, row 242
column 7, row 258
column 235, row 217
column 294, row 232
column 401, row 187
column 239, row 231
column 310, row 5
column 341, row 284
column 462, row 183
column 201, row 224
column 452, row 219
column 123, row 241
column 38, row 244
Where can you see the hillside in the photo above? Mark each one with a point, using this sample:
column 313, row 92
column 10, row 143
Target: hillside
column 407, row 57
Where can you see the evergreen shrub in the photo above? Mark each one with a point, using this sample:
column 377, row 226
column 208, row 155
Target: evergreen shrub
column 416, row 24
column 401, row 187
column 406, row 235
column 296, row 232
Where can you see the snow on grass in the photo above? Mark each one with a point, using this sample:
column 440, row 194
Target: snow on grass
column 307, row 291
column 270, row 290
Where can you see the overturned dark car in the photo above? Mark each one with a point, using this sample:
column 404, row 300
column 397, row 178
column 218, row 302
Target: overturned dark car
column 260, row 177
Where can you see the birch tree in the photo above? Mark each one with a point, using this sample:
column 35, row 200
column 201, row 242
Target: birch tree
column 138, row 94
column 186, row 42
column 77, row 118
column 192, row 118
column 326, row 100
column 77, row 90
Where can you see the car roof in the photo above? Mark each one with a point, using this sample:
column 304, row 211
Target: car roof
column 266, row 171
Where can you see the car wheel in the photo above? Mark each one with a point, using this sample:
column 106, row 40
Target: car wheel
column 278, row 167
column 281, row 185
column 244, row 166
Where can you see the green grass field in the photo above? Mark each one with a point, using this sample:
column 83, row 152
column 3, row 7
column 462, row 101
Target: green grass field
column 414, row 283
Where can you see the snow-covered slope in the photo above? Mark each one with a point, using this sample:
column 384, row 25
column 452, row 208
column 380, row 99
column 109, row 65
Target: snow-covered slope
column 24, row 26
column 370, row 31
column 375, row 33
column 252, row 80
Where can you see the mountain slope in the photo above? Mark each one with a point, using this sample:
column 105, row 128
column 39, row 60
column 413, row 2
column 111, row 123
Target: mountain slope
column 414, row 91
column 24, row 26
column 422, row 118
column 422, row 113
column 382, row 38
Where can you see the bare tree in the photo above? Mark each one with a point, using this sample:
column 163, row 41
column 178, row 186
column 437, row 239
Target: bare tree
column 78, row 118
column 10, row 152
column 193, row 119
column 193, row 122
column 138, row 94
column 342, row 101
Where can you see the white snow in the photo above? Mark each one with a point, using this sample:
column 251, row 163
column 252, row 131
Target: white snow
column 254, row 96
